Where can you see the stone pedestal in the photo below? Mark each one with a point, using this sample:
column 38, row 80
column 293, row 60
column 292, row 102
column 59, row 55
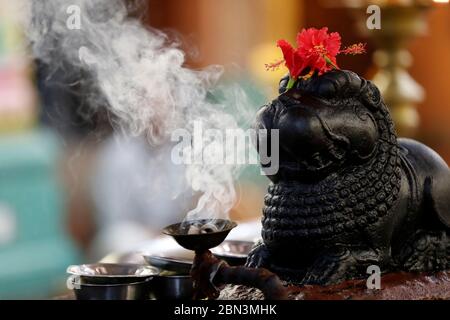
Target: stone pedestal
column 394, row 286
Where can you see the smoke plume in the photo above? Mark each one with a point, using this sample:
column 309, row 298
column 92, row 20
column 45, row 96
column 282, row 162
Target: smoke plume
column 139, row 74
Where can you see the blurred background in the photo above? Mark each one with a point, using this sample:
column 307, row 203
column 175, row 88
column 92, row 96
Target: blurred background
column 60, row 171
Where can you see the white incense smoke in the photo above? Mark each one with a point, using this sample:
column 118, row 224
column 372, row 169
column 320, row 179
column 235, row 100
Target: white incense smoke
column 140, row 75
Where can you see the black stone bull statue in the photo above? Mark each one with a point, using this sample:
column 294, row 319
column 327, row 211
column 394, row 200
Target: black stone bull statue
column 348, row 193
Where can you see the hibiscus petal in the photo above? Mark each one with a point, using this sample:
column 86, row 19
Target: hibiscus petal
column 299, row 65
column 333, row 44
column 304, row 39
column 320, row 36
column 288, row 54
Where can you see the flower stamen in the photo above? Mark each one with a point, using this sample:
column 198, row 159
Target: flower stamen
column 357, row 48
column 274, row 66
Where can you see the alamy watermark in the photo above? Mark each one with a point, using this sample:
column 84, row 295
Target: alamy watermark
column 374, row 20
column 73, row 21
column 226, row 147
column 374, row 280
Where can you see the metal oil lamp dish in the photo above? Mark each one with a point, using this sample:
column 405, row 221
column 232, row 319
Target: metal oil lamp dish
column 200, row 235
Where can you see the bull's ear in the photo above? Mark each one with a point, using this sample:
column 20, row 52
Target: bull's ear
column 283, row 84
column 264, row 121
column 370, row 95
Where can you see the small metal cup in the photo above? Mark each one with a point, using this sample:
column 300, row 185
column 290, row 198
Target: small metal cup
column 123, row 291
column 176, row 287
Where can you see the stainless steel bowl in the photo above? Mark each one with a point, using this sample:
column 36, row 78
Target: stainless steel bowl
column 112, row 273
column 171, row 287
column 124, row 291
column 179, row 265
column 234, row 252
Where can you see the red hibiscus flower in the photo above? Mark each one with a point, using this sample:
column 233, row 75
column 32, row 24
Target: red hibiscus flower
column 319, row 49
column 316, row 52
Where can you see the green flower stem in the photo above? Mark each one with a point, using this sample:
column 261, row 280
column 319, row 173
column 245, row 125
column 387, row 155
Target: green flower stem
column 290, row 83
column 328, row 60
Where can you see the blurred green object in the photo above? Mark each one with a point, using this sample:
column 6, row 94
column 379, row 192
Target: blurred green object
column 34, row 248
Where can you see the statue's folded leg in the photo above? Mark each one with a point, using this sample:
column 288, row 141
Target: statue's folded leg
column 258, row 257
column 340, row 263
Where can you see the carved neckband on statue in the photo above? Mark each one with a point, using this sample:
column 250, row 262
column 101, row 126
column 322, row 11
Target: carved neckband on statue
column 348, row 193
